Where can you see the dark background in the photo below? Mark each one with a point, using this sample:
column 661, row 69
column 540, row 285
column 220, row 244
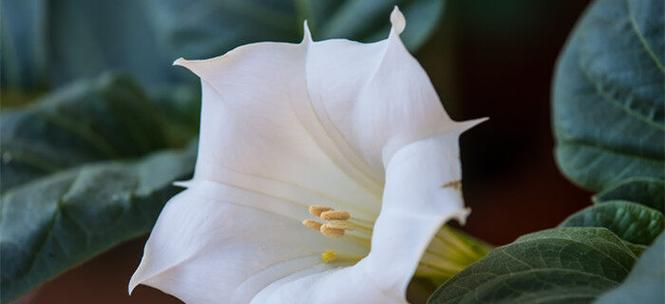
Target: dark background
column 488, row 58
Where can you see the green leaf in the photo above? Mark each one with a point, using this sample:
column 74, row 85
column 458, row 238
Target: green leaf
column 69, row 39
column 636, row 249
column 92, row 120
column 609, row 98
column 630, row 221
column 646, row 191
column 645, row 282
column 552, row 266
column 56, row 222
column 75, row 176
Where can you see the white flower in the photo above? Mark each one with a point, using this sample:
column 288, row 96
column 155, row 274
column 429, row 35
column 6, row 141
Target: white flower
column 289, row 131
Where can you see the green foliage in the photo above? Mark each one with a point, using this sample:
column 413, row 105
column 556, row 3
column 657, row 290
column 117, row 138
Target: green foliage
column 609, row 100
column 647, row 191
column 645, row 282
column 105, row 118
column 79, row 176
column 609, row 121
column 50, row 43
column 56, row 222
column 553, row 266
column 632, row 222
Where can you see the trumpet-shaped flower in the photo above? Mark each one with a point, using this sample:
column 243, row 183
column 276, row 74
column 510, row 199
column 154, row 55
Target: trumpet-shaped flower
column 325, row 170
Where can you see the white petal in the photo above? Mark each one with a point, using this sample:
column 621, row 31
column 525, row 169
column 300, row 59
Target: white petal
column 418, row 199
column 373, row 98
column 251, row 134
column 341, row 285
column 205, row 248
column 416, row 204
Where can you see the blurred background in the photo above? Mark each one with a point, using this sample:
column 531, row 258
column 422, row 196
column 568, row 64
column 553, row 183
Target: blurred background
column 486, row 58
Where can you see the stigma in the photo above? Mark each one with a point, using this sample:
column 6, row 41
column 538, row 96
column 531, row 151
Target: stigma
column 328, row 256
column 331, row 256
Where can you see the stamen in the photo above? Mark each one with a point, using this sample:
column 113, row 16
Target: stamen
column 331, row 232
column 337, row 224
column 313, row 225
column 361, row 225
column 316, row 210
column 335, row 215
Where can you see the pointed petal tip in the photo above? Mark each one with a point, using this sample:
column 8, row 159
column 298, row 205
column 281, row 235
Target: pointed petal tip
column 461, row 216
column 307, row 34
column 132, row 284
column 180, row 61
column 397, row 20
column 139, row 277
column 463, row 126
column 183, row 184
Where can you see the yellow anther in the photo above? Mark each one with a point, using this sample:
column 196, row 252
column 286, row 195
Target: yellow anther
column 337, row 224
column 313, row 225
column 316, row 210
column 331, row 232
column 335, row 215
column 328, row 256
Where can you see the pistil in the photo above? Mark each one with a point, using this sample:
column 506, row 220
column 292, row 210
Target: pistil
column 331, row 256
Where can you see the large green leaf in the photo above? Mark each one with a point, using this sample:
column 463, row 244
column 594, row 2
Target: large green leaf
column 144, row 37
column 632, row 222
column 609, row 97
column 647, row 191
column 572, row 265
column 74, row 178
column 91, row 120
column 56, row 222
column 645, row 282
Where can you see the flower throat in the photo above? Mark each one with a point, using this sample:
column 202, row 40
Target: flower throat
column 449, row 252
